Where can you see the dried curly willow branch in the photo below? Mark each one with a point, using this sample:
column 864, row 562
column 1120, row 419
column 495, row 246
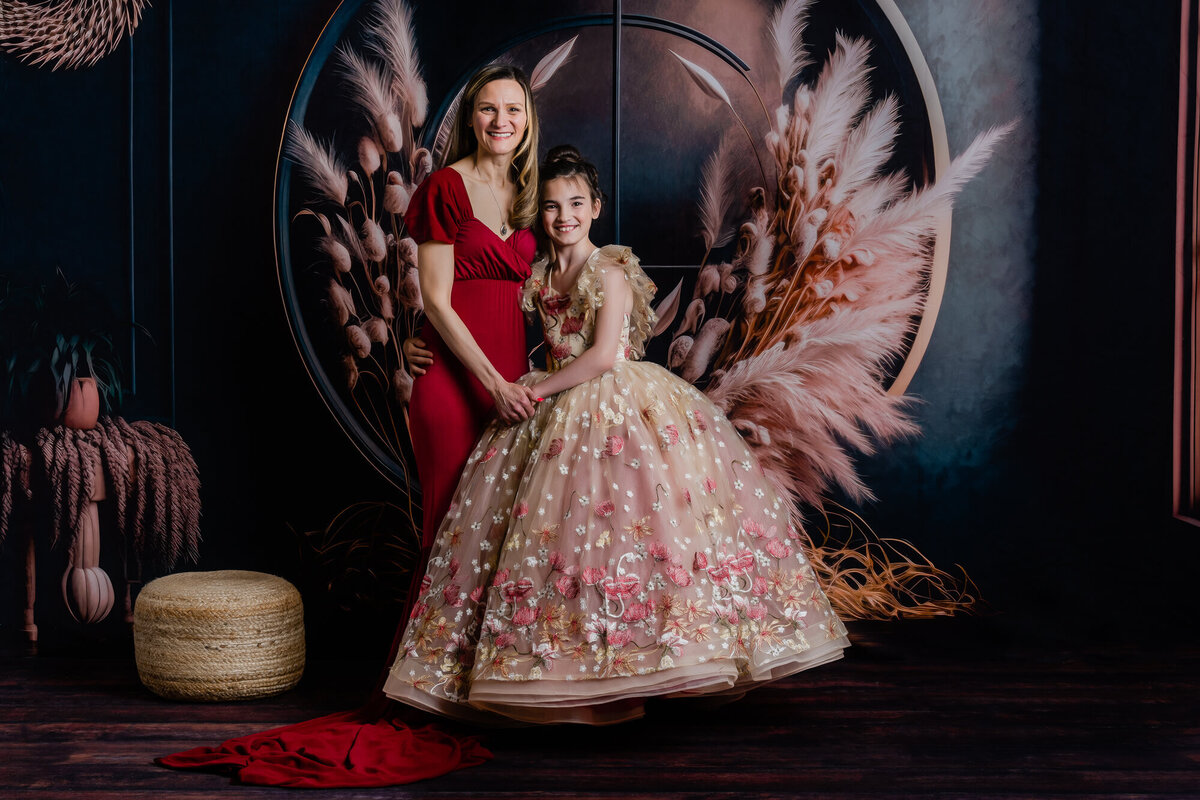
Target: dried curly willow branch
column 66, row 34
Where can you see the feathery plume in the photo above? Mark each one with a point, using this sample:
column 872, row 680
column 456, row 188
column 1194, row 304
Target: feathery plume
column 390, row 36
column 787, row 35
column 715, row 190
column 317, row 162
column 369, row 91
column 551, row 63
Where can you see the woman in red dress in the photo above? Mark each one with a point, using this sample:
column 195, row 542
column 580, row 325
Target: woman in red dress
column 471, row 222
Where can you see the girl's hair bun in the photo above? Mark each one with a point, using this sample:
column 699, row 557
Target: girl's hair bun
column 565, row 161
column 564, row 152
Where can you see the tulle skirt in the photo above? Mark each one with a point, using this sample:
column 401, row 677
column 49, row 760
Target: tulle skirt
column 622, row 543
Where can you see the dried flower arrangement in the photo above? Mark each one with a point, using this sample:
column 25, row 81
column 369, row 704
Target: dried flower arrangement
column 793, row 336
column 69, row 35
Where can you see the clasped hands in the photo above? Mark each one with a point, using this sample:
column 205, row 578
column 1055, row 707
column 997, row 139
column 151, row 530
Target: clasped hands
column 514, row 402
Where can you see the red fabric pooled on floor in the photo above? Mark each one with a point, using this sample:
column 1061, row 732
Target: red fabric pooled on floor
column 360, row 748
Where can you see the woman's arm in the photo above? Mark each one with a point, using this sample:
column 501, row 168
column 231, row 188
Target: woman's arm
column 435, row 269
column 600, row 357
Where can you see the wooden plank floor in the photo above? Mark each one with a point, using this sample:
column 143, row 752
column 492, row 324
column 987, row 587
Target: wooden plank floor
column 915, row 710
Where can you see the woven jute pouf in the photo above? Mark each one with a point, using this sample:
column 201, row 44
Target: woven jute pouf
column 224, row 635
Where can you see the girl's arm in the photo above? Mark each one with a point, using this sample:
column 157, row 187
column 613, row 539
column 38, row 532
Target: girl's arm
column 435, row 269
column 600, row 357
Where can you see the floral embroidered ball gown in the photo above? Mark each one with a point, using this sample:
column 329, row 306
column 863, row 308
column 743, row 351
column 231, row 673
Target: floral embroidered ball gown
column 621, row 543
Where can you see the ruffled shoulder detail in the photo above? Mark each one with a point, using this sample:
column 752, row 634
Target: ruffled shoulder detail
column 589, row 290
column 534, row 283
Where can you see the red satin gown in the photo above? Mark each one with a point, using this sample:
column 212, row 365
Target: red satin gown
column 450, row 407
column 373, row 746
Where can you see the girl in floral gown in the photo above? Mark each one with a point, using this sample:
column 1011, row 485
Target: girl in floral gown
column 620, row 544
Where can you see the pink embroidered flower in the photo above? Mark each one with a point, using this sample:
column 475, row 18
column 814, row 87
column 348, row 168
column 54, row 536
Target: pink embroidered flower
column 450, row 595
column 756, row 612
column 554, row 305
column 628, row 352
column 668, row 436
column 571, row 325
column 679, row 576
column 426, row 582
column 709, row 485
column 613, row 444
column 554, row 449
column 418, row 610
column 779, row 548
column 512, row 591
column 687, row 495
column 700, row 424
column 792, row 532
column 560, row 351
column 740, row 564
column 760, row 585
column 505, row 639
column 619, row 638
column 526, row 615
column 621, row 586
column 605, row 509
column 557, row 561
column 659, row 551
column 501, row 577
column 489, row 454
column 477, row 594
column 635, row 612
column 593, row 575
column 753, row 528
column 521, row 511
column 454, row 565
column 719, row 574
column 567, row 586
column 699, row 562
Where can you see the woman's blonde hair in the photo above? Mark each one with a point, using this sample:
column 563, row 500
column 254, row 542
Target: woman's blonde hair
column 524, row 170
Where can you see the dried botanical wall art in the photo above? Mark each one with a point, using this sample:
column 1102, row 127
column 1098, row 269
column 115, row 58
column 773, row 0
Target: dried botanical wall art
column 810, row 280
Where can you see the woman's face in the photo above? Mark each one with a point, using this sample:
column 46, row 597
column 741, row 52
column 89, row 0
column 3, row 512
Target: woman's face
column 568, row 210
column 499, row 117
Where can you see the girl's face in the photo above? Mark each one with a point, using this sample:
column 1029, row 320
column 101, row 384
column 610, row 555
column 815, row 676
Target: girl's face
column 568, row 210
column 499, row 118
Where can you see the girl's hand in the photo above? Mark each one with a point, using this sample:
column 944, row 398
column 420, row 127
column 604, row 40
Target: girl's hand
column 514, row 402
column 418, row 358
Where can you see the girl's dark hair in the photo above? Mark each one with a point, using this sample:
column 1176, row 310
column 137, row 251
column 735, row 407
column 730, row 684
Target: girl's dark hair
column 564, row 161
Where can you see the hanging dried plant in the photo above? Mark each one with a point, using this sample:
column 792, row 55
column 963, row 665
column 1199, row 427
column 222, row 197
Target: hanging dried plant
column 70, row 35
column 14, row 479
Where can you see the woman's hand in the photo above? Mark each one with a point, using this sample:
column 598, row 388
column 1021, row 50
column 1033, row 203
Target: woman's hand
column 418, row 358
column 514, row 402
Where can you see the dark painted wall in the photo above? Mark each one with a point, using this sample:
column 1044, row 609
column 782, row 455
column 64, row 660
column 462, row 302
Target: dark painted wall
column 1047, row 475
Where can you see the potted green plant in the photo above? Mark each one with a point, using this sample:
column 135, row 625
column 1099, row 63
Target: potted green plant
column 57, row 360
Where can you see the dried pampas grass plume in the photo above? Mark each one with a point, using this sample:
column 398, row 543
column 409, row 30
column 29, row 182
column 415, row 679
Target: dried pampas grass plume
column 390, row 36
column 317, row 161
column 69, row 35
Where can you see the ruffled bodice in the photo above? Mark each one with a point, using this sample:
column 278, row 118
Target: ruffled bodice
column 568, row 329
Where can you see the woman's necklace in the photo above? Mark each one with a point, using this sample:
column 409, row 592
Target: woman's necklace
column 503, row 216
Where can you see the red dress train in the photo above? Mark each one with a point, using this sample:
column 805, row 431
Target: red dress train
column 372, row 745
